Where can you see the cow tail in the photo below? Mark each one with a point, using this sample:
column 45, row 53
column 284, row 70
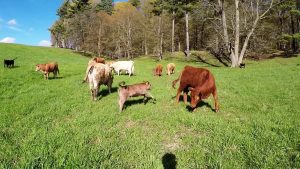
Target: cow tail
column 91, row 69
column 175, row 81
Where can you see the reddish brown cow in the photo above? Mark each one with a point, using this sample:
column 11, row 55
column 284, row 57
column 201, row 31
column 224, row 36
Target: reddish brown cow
column 200, row 82
column 157, row 71
column 140, row 89
column 47, row 68
column 99, row 60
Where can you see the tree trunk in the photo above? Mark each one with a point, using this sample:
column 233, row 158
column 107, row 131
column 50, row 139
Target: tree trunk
column 234, row 62
column 99, row 41
column 173, row 31
column 294, row 47
column 160, row 37
column 187, row 34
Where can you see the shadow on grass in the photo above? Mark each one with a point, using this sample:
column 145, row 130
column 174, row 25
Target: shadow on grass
column 53, row 78
column 12, row 67
column 199, row 105
column 138, row 101
column 105, row 92
column 169, row 161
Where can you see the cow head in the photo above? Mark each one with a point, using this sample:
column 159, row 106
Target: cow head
column 148, row 85
column 37, row 67
column 195, row 96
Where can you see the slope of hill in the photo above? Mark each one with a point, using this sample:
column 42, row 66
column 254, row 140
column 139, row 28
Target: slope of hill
column 56, row 124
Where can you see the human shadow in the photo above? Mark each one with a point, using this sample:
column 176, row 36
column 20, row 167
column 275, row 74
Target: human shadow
column 169, row 161
column 11, row 67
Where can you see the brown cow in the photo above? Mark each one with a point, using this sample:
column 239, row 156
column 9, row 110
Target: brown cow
column 140, row 89
column 170, row 68
column 92, row 62
column 200, row 82
column 47, row 68
column 157, row 71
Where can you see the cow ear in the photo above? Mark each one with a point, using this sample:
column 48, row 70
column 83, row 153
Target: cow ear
column 191, row 89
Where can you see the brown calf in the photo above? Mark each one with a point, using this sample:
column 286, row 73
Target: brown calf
column 170, row 68
column 140, row 89
column 157, row 71
column 200, row 82
column 47, row 68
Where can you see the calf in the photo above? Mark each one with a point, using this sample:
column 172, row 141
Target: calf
column 92, row 62
column 99, row 74
column 47, row 68
column 9, row 63
column 123, row 65
column 170, row 68
column 140, row 89
column 157, row 71
column 200, row 82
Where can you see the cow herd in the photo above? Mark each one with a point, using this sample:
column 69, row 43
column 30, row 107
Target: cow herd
column 199, row 81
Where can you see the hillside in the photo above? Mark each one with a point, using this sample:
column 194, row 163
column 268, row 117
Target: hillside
column 55, row 123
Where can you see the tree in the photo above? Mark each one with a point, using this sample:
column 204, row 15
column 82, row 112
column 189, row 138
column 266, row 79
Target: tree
column 105, row 5
column 187, row 7
column 158, row 8
column 173, row 7
column 257, row 14
column 135, row 3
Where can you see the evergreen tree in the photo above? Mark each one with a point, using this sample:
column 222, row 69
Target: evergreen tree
column 105, row 5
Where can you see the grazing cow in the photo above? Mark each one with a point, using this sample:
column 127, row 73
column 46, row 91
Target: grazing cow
column 99, row 74
column 170, row 68
column 140, row 89
column 91, row 63
column 9, row 63
column 200, row 82
column 157, row 71
column 123, row 65
column 47, row 68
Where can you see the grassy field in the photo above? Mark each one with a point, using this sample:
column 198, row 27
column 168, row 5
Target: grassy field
column 55, row 124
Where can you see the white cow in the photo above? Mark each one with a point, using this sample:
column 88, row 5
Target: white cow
column 123, row 65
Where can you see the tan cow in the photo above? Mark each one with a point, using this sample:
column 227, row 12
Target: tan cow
column 92, row 62
column 170, row 68
column 134, row 90
column 99, row 74
column 47, row 68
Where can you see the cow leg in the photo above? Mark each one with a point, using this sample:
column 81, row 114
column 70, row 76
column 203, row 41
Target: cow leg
column 215, row 95
column 178, row 95
column 185, row 97
column 109, row 87
column 148, row 96
column 121, row 103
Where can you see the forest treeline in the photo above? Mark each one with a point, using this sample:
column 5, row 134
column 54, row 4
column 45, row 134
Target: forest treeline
column 229, row 29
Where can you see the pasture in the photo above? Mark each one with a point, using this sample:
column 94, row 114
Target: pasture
column 55, row 123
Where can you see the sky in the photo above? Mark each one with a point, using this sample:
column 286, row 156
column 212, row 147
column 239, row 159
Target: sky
column 27, row 21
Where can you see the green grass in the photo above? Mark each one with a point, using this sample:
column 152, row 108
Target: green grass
column 55, row 123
